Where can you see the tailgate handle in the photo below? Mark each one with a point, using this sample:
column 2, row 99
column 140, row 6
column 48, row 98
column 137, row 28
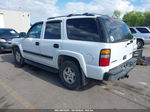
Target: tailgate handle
column 130, row 42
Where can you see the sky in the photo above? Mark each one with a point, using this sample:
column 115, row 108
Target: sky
column 43, row 9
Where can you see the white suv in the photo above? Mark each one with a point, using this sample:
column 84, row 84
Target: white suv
column 142, row 34
column 79, row 47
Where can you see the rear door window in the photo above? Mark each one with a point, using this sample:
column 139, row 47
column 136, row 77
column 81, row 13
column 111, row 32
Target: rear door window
column 116, row 30
column 53, row 30
column 84, row 29
column 142, row 30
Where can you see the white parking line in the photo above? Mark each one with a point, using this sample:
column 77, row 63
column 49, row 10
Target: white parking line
column 118, row 92
column 143, row 83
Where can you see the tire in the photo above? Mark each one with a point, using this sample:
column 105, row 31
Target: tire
column 140, row 44
column 19, row 60
column 70, row 75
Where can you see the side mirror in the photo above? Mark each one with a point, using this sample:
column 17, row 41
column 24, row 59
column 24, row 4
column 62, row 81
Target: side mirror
column 22, row 35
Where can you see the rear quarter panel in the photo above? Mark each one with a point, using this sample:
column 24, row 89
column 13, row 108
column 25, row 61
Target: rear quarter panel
column 90, row 51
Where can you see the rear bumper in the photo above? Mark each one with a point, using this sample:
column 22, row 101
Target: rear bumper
column 5, row 46
column 138, row 54
column 120, row 71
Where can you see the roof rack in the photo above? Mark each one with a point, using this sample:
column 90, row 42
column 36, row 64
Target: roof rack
column 70, row 15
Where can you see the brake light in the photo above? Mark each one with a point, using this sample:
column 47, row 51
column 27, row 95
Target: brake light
column 104, row 57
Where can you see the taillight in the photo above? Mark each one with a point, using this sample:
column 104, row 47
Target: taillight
column 104, row 57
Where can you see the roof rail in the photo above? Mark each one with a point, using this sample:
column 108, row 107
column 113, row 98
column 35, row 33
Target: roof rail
column 70, row 15
column 74, row 15
column 93, row 14
column 55, row 17
column 84, row 14
column 88, row 14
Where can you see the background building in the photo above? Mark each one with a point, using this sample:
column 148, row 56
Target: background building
column 18, row 20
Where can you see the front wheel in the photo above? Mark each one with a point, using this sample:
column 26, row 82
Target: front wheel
column 70, row 75
column 19, row 60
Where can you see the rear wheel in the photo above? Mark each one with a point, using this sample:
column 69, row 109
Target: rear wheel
column 140, row 44
column 19, row 60
column 70, row 75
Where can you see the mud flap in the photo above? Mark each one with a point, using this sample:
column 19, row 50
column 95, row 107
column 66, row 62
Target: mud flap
column 85, row 80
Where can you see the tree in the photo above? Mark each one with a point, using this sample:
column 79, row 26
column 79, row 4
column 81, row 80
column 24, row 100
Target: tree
column 117, row 13
column 147, row 18
column 134, row 18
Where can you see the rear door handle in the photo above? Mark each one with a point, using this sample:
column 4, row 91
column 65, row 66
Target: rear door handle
column 56, row 45
column 37, row 43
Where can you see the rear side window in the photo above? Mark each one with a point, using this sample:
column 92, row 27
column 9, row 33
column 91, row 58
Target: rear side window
column 53, row 30
column 84, row 29
column 132, row 30
column 116, row 30
column 142, row 30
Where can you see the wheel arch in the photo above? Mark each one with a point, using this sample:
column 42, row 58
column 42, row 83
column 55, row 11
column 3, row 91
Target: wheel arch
column 18, row 46
column 75, row 57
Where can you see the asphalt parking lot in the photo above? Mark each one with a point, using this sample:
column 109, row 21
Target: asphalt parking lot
column 33, row 88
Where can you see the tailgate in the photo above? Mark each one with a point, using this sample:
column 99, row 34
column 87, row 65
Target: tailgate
column 121, row 52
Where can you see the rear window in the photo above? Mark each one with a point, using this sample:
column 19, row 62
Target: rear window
column 132, row 30
column 142, row 30
column 116, row 30
column 84, row 29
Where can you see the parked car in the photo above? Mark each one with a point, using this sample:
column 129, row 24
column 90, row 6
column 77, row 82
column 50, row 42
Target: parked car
column 142, row 34
column 79, row 47
column 6, row 36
